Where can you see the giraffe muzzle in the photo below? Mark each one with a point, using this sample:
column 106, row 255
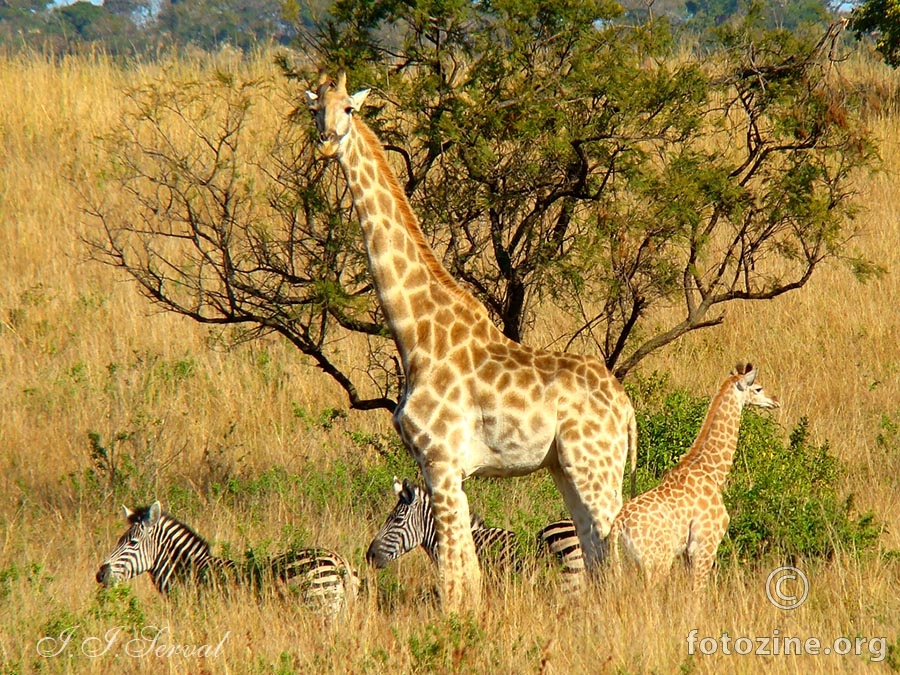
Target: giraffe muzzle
column 329, row 145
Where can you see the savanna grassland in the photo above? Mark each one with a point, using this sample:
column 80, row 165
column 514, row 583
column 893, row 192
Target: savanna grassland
column 105, row 399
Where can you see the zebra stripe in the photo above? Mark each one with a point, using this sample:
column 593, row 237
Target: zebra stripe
column 561, row 540
column 169, row 550
column 411, row 524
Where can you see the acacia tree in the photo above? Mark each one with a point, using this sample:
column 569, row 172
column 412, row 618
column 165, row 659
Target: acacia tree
column 551, row 153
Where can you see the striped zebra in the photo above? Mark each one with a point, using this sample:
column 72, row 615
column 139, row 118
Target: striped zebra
column 170, row 551
column 411, row 524
column 560, row 539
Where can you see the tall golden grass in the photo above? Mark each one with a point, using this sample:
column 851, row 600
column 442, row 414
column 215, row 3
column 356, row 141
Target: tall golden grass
column 81, row 351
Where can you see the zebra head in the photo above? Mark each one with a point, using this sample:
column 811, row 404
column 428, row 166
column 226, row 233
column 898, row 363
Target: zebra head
column 155, row 543
column 136, row 550
column 410, row 524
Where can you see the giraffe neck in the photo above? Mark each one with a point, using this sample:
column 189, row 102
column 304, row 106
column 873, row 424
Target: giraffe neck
column 712, row 452
column 412, row 285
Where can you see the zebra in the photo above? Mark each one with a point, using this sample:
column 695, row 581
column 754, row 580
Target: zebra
column 169, row 551
column 560, row 539
column 411, row 524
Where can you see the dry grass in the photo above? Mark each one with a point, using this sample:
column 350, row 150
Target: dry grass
column 81, row 352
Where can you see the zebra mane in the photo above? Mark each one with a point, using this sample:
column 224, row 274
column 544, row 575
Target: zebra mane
column 141, row 513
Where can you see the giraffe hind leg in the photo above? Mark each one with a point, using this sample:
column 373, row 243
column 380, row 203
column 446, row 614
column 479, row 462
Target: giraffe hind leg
column 592, row 512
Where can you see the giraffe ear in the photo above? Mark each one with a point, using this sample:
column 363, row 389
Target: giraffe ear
column 747, row 378
column 357, row 100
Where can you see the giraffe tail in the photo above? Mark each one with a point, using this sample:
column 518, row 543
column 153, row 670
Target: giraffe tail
column 632, row 451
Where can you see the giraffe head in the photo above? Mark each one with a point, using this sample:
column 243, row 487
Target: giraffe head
column 333, row 110
column 748, row 392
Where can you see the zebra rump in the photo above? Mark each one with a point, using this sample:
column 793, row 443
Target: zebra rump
column 560, row 539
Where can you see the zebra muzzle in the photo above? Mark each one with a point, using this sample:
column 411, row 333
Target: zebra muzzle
column 105, row 575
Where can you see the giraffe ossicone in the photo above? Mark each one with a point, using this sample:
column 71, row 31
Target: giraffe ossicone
column 475, row 402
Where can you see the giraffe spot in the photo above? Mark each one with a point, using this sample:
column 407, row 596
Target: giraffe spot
column 417, row 277
column 458, row 332
column 481, row 331
column 442, row 378
column 536, row 423
column 401, row 265
column 520, row 358
column 490, row 371
column 439, row 426
column 523, row 377
column 385, row 203
column 443, row 317
column 454, row 394
column 370, row 170
column 513, row 400
column 461, row 358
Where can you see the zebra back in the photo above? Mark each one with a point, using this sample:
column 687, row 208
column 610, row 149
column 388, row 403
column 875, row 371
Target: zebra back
column 560, row 539
column 411, row 524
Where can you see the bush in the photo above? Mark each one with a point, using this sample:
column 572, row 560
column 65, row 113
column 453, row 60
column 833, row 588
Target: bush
column 783, row 498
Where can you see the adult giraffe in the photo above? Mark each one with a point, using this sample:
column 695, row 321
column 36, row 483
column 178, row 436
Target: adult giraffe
column 475, row 402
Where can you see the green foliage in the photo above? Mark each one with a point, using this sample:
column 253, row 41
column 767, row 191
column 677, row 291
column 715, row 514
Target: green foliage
column 117, row 606
column 880, row 18
column 783, row 498
column 446, row 645
column 211, row 25
column 33, row 574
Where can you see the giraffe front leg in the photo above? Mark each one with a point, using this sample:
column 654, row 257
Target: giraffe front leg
column 457, row 562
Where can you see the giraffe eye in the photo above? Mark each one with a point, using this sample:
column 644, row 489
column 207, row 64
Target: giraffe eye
column 348, row 110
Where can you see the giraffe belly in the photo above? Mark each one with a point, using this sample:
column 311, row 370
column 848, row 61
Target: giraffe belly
column 506, row 459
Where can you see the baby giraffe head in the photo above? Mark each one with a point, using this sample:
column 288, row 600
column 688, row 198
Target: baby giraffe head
column 748, row 391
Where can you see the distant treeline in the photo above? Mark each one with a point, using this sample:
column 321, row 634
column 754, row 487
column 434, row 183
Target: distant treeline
column 132, row 27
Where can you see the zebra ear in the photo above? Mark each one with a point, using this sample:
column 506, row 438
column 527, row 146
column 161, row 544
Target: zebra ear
column 408, row 494
column 398, row 486
column 153, row 514
column 128, row 512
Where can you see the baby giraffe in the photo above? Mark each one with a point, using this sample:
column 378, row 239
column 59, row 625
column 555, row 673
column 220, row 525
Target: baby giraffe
column 685, row 514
